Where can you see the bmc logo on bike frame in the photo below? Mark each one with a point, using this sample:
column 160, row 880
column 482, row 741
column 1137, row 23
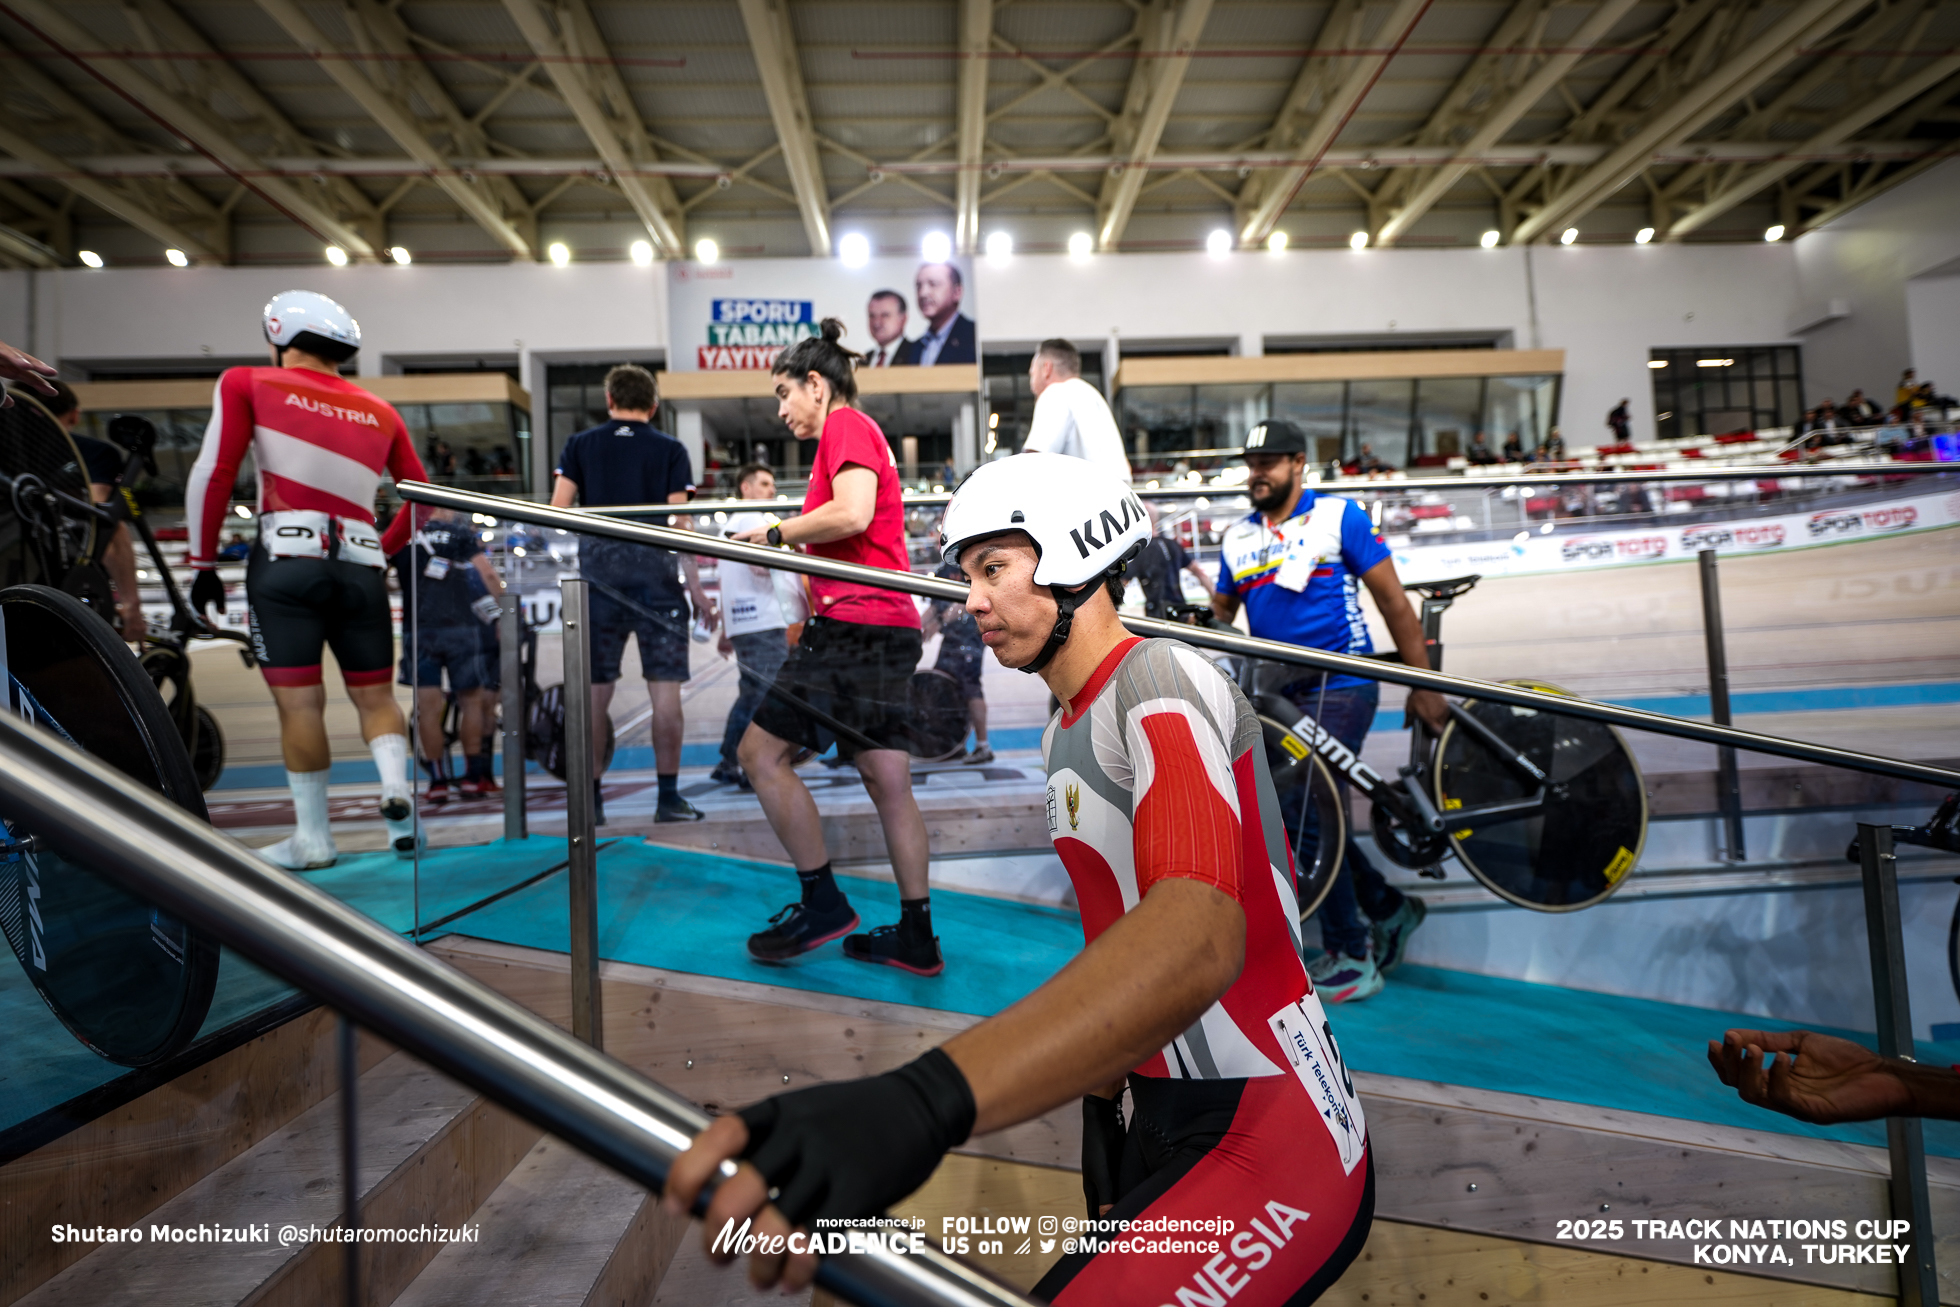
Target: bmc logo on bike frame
column 1337, row 755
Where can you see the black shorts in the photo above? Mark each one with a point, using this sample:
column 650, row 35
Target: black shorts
column 300, row 606
column 963, row 662
column 860, row 675
column 649, row 616
column 472, row 661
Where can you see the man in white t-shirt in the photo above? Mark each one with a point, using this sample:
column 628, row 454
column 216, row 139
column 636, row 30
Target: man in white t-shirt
column 1070, row 416
column 757, row 607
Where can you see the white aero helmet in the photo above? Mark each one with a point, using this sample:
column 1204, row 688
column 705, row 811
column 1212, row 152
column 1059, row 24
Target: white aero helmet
column 1085, row 523
column 308, row 320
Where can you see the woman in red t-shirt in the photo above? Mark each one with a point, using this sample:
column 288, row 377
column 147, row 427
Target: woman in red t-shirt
column 852, row 666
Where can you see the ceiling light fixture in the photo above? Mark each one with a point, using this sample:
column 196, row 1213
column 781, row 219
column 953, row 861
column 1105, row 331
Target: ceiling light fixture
column 559, row 253
column 400, row 254
column 1000, row 245
column 1081, row 245
column 176, row 258
column 1276, row 242
column 705, row 251
column 1489, row 240
column 1569, row 235
column 1644, row 235
column 89, row 258
column 1358, row 241
column 937, row 247
column 854, row 250
column 1219, row 243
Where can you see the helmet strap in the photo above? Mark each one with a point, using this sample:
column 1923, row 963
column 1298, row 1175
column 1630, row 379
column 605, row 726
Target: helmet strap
column 1067, row 601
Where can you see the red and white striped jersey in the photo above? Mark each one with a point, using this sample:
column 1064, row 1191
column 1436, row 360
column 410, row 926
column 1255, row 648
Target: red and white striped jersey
column 320, row 442
column 1156, row 771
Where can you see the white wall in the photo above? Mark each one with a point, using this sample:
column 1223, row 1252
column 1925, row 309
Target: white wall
column 1867, row 257
column 1605, row 305
column 1933, row 316
column 182, row 313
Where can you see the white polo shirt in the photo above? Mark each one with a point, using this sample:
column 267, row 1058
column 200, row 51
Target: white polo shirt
column 1071, row 418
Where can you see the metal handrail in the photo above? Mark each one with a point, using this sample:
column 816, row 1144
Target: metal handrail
column 692, row 542
column 105, row 821
column 1542, row 480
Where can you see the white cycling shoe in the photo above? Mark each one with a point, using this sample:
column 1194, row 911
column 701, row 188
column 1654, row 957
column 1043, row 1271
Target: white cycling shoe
column 297, row 854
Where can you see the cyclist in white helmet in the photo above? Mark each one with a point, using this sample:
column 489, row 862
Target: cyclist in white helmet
column 315, row 578
column 1191, row 992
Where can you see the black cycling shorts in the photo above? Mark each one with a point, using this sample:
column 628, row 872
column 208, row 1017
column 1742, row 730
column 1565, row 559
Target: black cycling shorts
column 470, row 654
column 300, row 606
column 856, row 674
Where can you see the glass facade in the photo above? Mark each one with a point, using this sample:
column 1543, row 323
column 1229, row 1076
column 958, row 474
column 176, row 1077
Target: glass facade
column 1401, row 422
column 1712, row 390
column 1011, row 400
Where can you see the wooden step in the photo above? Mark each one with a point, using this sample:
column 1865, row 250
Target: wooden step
column 431, row 1151
column 560, row 1231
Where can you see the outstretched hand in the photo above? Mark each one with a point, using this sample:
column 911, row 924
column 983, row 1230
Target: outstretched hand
column 1817, row 1078
column 20, row 366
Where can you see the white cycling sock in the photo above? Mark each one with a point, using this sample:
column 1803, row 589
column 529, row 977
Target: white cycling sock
column 397, row 804
column 310, row 806
column 311, row 843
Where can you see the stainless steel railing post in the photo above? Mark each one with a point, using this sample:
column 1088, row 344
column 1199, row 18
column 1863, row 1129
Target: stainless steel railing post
column 583, row 860
column 1728, row 783
column 1904, row 1136
column 510, row 638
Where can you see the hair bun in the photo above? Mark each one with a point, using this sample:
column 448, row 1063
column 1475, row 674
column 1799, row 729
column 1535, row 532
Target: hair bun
column 832, row 329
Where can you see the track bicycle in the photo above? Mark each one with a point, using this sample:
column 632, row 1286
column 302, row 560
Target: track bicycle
column 1546, row 810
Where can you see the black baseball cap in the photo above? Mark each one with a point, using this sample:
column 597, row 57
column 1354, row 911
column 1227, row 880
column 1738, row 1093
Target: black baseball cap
column 1275, row 436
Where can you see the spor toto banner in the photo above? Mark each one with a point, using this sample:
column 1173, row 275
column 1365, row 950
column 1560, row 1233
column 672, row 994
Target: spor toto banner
column 1571, row 547
column 897, row 312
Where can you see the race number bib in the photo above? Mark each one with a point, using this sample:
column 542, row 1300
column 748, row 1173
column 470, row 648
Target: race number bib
column 360, row 543
column 295, row 533
column 1303, row 1031
column 436, row 568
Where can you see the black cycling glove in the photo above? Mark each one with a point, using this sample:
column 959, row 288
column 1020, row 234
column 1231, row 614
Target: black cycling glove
column 206, row 588
column 853, row 1149
column 1102, row 1150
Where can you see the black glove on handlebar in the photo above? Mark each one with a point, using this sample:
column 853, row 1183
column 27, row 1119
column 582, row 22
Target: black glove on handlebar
column 207, row 589
column 853, row 1149
column 1103, row 1138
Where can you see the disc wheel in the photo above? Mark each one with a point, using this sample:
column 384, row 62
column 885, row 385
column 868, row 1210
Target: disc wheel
column 128, row 980
column 1578, row 850
column 208, row 750
column 1311, row 813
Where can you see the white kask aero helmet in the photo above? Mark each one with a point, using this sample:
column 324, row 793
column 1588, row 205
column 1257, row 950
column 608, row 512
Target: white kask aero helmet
column 308, row 320
column 1085, row 523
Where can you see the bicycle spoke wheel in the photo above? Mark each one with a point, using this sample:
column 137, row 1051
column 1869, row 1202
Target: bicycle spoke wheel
column 1311, row 812
column 1578, row 850
column 130, row 981
column 33, row 444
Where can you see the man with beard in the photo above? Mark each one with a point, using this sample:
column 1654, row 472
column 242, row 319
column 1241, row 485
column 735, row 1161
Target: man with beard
column 949, row 335
column 1297, row 564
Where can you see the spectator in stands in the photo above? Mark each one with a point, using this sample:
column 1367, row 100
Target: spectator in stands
column 1859, row 411
column 1538, row 454
column 1480, row 454
column 1907, row 395
column 1621, row 422
column 1513, row 449
column 236, row 550
column 1369, row 463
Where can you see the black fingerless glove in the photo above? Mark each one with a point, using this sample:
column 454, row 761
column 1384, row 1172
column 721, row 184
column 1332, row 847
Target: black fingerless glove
column 206, row 588
column 1102, row 1150
column 853, row 1149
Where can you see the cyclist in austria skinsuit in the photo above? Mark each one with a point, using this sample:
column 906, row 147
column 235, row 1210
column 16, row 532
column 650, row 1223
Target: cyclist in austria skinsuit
column 316, row 575
column 1191, row 990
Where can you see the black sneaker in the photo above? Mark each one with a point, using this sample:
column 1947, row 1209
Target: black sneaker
column 799, row 928
column 726, row 774
column 894, row 946
column 677, row 809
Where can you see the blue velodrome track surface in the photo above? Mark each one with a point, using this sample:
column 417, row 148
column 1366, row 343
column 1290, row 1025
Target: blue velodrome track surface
column 691, row 912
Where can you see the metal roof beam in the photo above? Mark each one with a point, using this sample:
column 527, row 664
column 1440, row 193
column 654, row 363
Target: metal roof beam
column 574, row 54
column 193, row 123
column 1685, row 113
column 136, row 210
column 392, row 118
column 18, row 247
column 1169, row 30
column 773, row 43
column 976, row 36
column 1337, row 108
column 1768, row 174
column 1505, row 116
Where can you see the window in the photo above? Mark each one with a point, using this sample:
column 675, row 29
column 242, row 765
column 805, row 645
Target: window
column 1712, row 390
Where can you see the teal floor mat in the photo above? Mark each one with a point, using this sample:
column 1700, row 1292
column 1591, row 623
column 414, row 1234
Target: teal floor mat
column 693, row 912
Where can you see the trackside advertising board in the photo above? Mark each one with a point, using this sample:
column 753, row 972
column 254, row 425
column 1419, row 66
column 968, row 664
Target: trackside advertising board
column 1572, row 547
column 897, row 312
